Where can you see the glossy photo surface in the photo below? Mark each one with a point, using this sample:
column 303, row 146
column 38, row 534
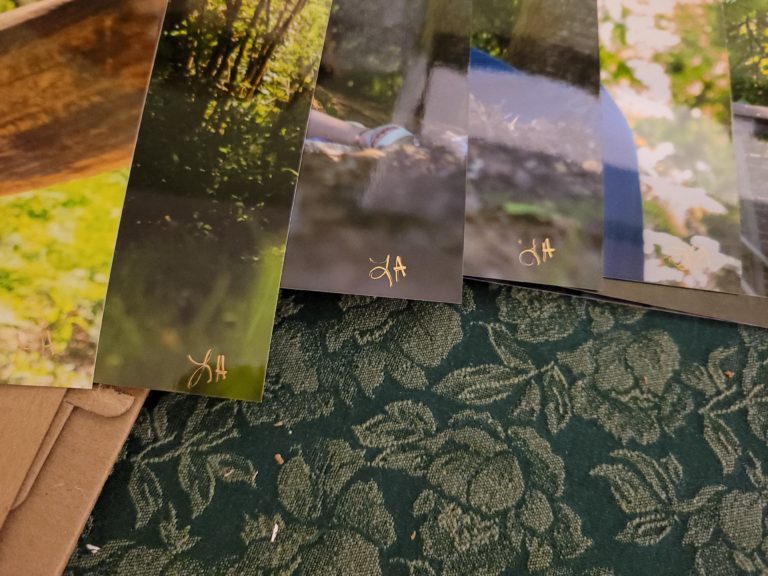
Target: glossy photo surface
column 73, row 77
column 379, row 207
column 196, row 274
column 665, row 69
column 747, row 36
column 534, row 186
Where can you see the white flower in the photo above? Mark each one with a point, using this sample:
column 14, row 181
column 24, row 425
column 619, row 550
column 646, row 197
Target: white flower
column 697, row 261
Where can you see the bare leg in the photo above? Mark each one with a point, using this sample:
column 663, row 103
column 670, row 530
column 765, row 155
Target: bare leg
column 321, row 125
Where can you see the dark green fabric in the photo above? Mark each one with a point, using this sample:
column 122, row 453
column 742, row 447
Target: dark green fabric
column 521, row 433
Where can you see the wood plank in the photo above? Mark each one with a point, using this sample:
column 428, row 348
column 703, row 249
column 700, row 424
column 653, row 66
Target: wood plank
column 73, row 75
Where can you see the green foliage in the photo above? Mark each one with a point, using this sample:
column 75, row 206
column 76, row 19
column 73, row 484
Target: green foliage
column 224, row 103
column 747, row 30
column 669, row 75
column 6, row 5
column 492, row 24
column 56, row 250
column 541, row 212
column 697, row 66
column 613, row 68
column 657, row 218
column 206, row 214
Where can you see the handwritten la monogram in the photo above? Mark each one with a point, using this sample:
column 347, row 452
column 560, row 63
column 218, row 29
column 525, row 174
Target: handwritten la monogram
column 204, row 367
column 382, row 270
column 530, row 257
column 40, row 343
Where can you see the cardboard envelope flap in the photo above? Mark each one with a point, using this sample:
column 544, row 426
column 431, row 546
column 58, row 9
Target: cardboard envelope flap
column 62, row 480
column 102, row 401
column 105, row 402
column 27, row 414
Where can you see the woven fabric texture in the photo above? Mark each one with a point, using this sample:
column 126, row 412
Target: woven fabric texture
column 521, row 433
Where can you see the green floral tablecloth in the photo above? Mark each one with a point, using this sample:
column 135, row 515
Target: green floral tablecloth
column 521, row 433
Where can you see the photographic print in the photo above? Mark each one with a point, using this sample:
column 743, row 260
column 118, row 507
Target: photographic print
column 73, row 76
column 534, row 187
column 196, row 274
column 747, row 33
column 665, row 70
column 379, row 206
column 740, row 308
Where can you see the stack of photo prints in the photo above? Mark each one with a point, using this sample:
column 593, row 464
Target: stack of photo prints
column 167, row 166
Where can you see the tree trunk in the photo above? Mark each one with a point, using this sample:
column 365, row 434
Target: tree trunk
column 557, row 38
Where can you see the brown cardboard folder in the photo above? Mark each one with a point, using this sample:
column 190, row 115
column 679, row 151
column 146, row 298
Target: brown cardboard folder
column 93, row 57
column 57, row 448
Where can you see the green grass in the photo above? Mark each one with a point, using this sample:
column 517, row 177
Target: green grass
column 56, row 247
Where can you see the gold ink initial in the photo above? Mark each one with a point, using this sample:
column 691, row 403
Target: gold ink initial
column 202, row 367
column 530, row 257
column 399, row 268
column 46, row 344
column 205, row 367
column 221, row 370
column 23, row 344
column 382, row 270
column 547, row 250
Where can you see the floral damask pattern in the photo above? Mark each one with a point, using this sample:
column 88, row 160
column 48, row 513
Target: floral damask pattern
column 625, row 382
column 521, row 433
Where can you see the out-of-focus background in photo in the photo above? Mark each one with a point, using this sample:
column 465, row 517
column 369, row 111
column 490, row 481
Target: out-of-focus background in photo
column 666, row 66
column 747, row 30
column 535, row 172
column 401, row 62
column 72, row 79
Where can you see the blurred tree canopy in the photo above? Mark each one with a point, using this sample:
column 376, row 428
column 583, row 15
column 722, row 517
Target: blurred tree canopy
column 203, row 230
column 554, row 38
column 224, row 118
column 376, row 51
column 668, row 73
column 747, row 30
column 492, row 25
column 696, row 65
